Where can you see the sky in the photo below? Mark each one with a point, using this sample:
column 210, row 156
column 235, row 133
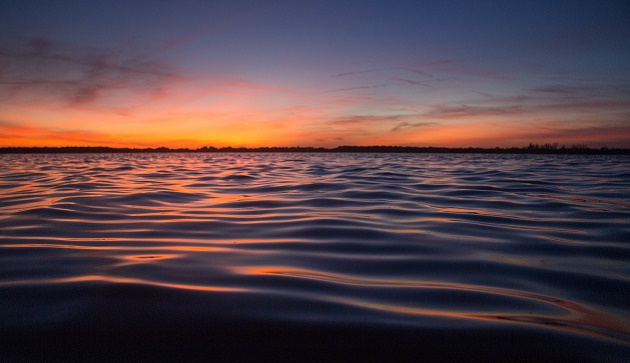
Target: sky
column 320, row 73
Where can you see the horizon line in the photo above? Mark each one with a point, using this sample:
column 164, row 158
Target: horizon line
column 530, row 149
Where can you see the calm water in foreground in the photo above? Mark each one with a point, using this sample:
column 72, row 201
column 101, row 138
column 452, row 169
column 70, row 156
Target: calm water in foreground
column 311, row 256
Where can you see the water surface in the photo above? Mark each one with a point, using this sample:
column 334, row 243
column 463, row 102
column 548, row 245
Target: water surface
column 304, row 256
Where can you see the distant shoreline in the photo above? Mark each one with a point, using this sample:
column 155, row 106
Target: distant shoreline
column 531, row 149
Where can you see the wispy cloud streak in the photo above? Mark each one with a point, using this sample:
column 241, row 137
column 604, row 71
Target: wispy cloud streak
column 356, row 88
column 46, row 69
column 407, row 125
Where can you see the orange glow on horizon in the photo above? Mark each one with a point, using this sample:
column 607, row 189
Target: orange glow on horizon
column 255, row 115
column 470, row 135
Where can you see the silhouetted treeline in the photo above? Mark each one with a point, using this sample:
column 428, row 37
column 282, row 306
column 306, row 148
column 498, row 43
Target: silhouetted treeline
column 530, row 149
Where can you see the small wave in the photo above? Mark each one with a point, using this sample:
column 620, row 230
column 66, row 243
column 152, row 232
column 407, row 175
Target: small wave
column 420, row 242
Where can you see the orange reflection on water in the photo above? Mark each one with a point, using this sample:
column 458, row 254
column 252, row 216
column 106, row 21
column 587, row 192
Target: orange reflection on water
column 121, row 280
column 593, row 323
column 182, row 248
column 150, row 257
column 579, row 318
column 138, row 259
column 43, row 203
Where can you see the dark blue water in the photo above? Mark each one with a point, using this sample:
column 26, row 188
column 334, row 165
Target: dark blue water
column 243, row 257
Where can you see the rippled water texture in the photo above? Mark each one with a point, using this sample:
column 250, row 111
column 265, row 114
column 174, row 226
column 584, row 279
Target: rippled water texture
column 428, row 255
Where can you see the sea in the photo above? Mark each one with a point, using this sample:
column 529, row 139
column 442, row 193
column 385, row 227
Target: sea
column 314, row 257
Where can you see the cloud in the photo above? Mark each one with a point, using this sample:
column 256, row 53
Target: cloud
column 552, row 89
column 413, row 82
column 600, row 135
column 363, row 120
column 407, row 125
column 430, row 75
column 354, row 73
column 564, row 133
column 41, row 46
column 418, row 71
column 356, row 88
column 400, row 126
column 606, row 102
column 46, row 70
column 383, row 69
column 466, row 111
column 22, row 135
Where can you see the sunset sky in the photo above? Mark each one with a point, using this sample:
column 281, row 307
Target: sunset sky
column 314, row 73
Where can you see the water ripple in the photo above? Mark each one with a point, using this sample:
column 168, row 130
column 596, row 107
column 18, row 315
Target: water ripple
column 449, row 242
